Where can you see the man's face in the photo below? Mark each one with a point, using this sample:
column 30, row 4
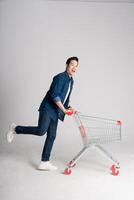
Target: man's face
column 72, row 67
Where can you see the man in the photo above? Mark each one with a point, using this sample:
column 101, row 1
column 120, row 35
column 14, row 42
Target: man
column 53, row 107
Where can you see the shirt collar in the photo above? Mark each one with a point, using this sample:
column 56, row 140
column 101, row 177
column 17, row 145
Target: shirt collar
column 68, row 75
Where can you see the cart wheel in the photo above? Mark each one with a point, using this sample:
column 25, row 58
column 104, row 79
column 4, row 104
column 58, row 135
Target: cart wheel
column 115, row 170
column 67, row 171
column 70, row 163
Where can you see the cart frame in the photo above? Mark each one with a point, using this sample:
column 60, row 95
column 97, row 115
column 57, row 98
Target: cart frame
column 112, row 130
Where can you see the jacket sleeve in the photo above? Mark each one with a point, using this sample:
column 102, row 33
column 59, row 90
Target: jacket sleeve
column 55, row 88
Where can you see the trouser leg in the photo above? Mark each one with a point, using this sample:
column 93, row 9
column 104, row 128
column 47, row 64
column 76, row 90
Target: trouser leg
column 51, row 135
column 43, row 124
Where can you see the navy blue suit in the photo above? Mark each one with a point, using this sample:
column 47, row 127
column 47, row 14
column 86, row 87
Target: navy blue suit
column 49, row 113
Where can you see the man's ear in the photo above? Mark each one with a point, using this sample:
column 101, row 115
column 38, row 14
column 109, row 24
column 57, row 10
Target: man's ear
column 66, row 66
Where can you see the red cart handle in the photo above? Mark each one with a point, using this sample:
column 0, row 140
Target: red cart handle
column 69, row 112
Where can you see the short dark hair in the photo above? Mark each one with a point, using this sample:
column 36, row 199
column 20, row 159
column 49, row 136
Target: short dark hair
column 70, row 59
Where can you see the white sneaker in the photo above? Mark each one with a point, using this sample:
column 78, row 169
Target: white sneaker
column 47, row 166
column 11, row 133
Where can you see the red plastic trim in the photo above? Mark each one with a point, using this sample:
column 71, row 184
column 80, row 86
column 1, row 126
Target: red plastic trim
column 119, row 122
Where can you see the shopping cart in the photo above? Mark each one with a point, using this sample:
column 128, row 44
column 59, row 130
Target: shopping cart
column 94, row 132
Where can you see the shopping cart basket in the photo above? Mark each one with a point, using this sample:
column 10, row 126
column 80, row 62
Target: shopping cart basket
column 94, row 132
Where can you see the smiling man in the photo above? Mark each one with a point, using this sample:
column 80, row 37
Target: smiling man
column 53, row 107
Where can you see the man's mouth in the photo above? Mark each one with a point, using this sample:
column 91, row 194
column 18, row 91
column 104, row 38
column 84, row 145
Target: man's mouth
column 73, row 71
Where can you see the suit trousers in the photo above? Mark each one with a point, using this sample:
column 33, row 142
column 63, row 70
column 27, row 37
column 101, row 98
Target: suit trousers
column 45, row 125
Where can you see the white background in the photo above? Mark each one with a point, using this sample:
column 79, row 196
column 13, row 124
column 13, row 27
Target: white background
column 36, row 38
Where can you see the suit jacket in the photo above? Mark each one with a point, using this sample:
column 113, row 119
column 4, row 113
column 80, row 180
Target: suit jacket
column 57, row 92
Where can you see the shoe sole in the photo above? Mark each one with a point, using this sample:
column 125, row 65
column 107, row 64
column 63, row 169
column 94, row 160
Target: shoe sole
column 9, row 134
column 49, row 170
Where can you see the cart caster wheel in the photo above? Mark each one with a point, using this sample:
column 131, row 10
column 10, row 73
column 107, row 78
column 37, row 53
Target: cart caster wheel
column 70, row 164
column 115, row 170
column 67, row 171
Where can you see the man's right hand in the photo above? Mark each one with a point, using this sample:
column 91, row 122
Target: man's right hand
column 70, row 111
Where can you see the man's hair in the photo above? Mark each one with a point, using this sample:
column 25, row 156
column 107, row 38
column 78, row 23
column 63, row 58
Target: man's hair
column 70, row 59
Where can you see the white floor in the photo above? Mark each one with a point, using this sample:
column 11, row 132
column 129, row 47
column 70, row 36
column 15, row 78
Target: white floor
column 90, row 178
